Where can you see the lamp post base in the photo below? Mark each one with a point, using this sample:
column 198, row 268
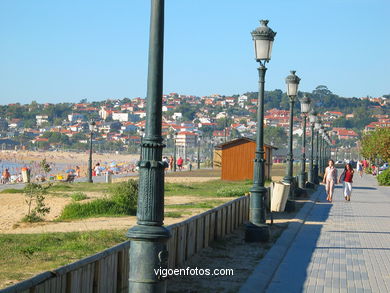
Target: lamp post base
column 290, row 206
column 257, row 233
column 301, row 180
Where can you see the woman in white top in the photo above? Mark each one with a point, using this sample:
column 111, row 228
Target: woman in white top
column 330, row 179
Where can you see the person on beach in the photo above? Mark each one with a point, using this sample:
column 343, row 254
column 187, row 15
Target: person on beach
column 166, row 164
column 346, row 179
column 5, row 176
column 78, row 171
column 97, row 169
column 171, row 162
column 180, row 163
column 330, row 179
column 359, row 168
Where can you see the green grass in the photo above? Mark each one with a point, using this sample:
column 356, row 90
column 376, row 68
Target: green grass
column 80, row 187
column 198, row 205
column 172, row 215
column 101, row 207
column 12, row 190
column 207, row 189
column 25, row 255
column 78, row 196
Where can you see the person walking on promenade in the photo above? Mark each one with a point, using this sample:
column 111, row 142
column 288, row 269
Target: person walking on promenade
column 5, row 176
column 346, row 178
column 359, row 168
column 330, row 179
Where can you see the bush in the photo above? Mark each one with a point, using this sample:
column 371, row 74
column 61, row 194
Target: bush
column 98, row 207
column 125, row 195
column 77, row 196
column 230, row 191
column 384, row 177
column 35, row 194
column 122, row 201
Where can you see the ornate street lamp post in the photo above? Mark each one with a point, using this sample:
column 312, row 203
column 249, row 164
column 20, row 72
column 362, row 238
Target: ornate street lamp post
column 321, row 150
column 292, row 82
column 199, row 141
column 257, row 230
column 312, row 119
column 317, row 126
column 148, row 238
column 305, row 109
column 174, row 151
column 91, row 130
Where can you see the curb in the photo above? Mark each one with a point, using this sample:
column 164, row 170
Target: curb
column 263, row 273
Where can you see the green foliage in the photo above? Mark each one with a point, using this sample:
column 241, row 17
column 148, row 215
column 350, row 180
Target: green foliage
column 98, row 208
column 45, row 166
column 78, row 196
column 35, row 193
column 275, row 136
column 384, row 177
column 122, row 201
column 376, row 145
column 125, row 194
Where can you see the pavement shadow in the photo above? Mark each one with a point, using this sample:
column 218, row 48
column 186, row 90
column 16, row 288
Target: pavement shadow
column 293, row 271
column 368, row 232
column 364, row 188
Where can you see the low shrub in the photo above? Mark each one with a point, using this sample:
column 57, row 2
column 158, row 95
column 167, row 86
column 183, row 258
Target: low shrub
column 384, row 177
column 122, row 200
column 97, row 208
column 77, row 196
column 231, row 191
column 125, row 195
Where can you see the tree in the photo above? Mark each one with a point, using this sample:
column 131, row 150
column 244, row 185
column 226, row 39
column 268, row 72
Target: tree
column 376, row 145
column 275, row 136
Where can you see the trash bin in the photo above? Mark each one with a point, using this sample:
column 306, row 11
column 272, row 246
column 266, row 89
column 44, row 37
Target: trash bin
column 108, row 177
column 26, row 175
column 279, row 196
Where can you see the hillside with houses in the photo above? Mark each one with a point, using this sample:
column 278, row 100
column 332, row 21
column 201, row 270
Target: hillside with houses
column 210, row 119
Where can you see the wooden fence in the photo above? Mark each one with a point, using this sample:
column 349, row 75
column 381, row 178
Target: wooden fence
column 107, row 271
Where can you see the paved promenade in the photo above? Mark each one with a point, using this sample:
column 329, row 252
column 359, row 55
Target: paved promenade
column 341, row 247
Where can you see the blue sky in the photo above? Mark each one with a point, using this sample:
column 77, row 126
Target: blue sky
column 67, row 50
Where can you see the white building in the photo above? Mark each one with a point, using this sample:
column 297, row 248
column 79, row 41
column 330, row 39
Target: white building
column 41, row 119
column 121, row 117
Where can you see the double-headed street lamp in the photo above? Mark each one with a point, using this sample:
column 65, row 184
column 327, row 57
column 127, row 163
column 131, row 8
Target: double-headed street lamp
column 292, row 82
column 92, row 125
column 305, row 109
column 258, row 230
column 148, row 238
column 312, row 118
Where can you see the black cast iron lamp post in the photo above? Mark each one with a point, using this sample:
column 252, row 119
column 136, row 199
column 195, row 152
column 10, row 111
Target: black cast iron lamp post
column 91, row 130
column 148, row 252
column 292, row 82
column 312, row 119
column 321, row 163
column 317, row 126
column 305, row 108
column 199, row 141
column 174, row 151
column 257, row 229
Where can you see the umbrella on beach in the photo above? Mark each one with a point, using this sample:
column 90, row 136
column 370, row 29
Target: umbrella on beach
column 70, row 170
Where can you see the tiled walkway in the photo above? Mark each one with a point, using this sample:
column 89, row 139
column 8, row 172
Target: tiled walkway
column 343, row 246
